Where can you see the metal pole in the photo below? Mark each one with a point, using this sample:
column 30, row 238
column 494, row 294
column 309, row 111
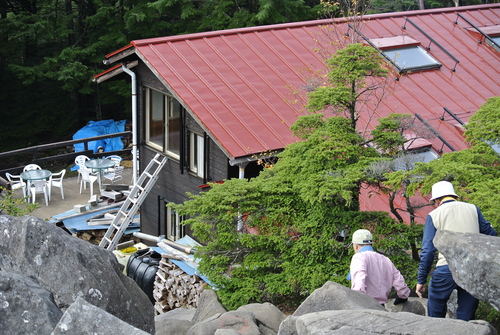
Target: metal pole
column 134, row 121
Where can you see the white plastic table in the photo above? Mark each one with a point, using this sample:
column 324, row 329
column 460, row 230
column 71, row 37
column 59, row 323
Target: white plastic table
column 32, row 175
column 99, row 164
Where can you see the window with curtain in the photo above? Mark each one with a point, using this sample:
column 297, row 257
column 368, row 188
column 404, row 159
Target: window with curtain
column 163, row 114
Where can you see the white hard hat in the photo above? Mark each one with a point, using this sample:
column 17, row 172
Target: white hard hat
column 441, row 189
column 362, row 236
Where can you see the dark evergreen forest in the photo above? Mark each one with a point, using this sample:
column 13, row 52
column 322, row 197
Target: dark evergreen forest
column 50, row 50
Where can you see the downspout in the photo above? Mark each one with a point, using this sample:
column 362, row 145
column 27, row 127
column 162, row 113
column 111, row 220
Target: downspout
column 134, row 121
column 241, row 175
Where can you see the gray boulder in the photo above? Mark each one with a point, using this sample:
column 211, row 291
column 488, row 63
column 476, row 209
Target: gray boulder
column 70, row 268
column 25, row 306
column 244, row 323
column 474, row 262
column 226, row 332
column 287, row 327
column 82, row 318
column 413, row 305
column 174, row 322
column 173, row 327
column 268, row 316
column 333, row 296
column 177, row 314
column 378, row 322
column 208, row 306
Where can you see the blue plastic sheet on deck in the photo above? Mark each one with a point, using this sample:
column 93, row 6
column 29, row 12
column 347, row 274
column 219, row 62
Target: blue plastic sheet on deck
column 97, row 128
column 79, row 223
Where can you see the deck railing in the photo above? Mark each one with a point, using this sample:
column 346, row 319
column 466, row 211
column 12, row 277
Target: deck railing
column 44, row 153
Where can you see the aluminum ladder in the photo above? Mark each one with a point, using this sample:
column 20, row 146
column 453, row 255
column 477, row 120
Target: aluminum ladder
column 130, row 206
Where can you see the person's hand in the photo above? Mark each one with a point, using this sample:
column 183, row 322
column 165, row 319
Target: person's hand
column 420, row 289
column 399, row 300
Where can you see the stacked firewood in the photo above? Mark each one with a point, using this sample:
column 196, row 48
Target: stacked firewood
column 92, row 236
column 174, row 288
column 95, row 236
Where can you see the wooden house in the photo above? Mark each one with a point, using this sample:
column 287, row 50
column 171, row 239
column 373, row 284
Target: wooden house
column 215, row 102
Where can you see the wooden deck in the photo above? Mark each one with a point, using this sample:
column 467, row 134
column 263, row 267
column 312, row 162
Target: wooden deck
column 72, row 197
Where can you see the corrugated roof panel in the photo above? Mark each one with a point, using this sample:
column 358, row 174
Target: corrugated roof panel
column 259, row 106
column 240, row 83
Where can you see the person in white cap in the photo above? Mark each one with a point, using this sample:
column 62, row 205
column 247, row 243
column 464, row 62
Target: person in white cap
column 373, row 273
column 457, row 216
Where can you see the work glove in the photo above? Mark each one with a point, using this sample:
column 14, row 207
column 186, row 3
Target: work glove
column 399, row 300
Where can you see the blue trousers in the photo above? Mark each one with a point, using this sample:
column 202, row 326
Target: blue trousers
column 440, row 289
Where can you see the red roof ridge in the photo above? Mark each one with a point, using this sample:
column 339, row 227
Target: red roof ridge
column 254, row 29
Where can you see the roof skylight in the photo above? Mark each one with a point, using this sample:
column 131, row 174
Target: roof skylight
column 411, row 59
column 405, row 53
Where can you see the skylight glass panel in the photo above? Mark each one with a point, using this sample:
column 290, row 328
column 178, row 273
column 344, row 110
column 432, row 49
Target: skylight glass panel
column 495, row 39
column 407, row 162
column 411, row 58
column 495, row 147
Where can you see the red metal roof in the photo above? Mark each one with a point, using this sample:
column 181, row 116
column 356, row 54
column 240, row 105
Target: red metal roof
column 239, row 83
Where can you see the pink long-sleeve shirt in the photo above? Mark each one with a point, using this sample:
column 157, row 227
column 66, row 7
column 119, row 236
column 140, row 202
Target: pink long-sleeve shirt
column 375, row 275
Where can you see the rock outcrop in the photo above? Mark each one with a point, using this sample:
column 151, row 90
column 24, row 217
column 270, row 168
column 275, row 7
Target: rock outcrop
column 378, row 322
column 474, row 262
column 25, row 305
column 82, row 318
column 53, row 283
column 69, row 268
column 333, row 296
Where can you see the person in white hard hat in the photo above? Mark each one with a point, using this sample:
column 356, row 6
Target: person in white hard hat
column 457, row 216
column 373, row 273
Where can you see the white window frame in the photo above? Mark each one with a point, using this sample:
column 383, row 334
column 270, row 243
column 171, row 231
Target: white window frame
column 169, row 106
column 148, row 98
column 174, row 228
column 197, row 154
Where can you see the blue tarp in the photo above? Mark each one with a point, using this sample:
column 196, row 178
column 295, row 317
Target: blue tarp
column 96, row 128
column 79, row 223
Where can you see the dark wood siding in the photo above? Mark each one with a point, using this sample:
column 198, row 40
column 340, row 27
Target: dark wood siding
column 172, row 183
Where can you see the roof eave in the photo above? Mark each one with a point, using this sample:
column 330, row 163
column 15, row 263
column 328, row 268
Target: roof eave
column 113, row 72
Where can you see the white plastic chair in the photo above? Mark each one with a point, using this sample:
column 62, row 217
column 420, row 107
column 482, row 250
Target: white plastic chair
column 87, row 177
column 114, row 175
column 115, row 158
column 80, row 162
column 16, row 182
column 30, row 167
column 40, row 186
column 56, row 180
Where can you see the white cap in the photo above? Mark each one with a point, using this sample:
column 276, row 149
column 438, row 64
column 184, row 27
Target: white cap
column 441, row 189
column 362, row 236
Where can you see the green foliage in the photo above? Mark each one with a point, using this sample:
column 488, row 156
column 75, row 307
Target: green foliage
column 382, row 6
column 484, row 125
column 473, row 172
column 295, row 218
column 388, row 135
column 486, row 312
column 353, row 76
column 330, row 157
column 11, row 205
column 51, row 50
